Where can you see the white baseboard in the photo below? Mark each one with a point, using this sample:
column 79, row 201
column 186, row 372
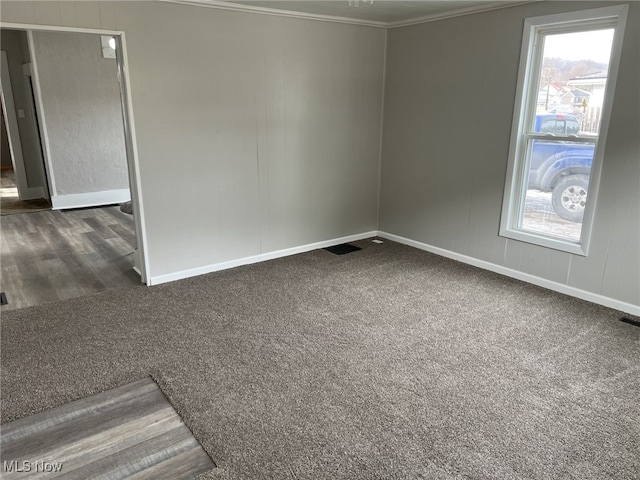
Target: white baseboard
column 92, row 199
column 526, row 277
column 509, row 272
column 170, row 277
column 32, row 193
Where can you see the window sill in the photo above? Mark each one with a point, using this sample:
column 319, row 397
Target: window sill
column 545, row 241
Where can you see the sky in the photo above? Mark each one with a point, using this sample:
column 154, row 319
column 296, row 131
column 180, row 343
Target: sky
column 594, row 45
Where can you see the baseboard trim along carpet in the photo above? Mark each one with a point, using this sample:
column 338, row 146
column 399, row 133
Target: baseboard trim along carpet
column 127, row 431
column 509, row 272
column 525, row 277
column 170, row 277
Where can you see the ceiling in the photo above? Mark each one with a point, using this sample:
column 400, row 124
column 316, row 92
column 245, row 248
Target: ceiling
column 381, row 12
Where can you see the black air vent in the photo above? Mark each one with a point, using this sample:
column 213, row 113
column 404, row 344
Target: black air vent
column 3, row 299
column 635, row 323
column 342, row 249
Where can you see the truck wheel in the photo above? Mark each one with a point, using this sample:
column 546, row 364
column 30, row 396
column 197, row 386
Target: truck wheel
column 570, row 197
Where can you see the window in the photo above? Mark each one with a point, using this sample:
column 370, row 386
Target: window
column 557, row 143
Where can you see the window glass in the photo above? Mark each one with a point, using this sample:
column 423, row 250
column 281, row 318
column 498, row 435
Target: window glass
column 562, row 112
column 558, row 171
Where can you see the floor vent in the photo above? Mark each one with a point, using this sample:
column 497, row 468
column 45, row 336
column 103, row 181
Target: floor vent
column 3, row 299
column 342, row 249
column 635, row 323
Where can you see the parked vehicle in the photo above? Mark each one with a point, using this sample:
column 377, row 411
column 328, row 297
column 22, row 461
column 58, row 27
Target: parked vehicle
column 562, row 168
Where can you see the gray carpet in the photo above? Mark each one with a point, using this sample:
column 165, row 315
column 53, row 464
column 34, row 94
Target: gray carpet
column 388, row 362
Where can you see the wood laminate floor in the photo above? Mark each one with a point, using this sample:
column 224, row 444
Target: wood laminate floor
column 127, row 432
column 8, row 183
column 55, row 255
column 10, row 203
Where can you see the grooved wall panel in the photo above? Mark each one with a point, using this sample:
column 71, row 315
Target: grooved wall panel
column 255, row 133
column 449, row 102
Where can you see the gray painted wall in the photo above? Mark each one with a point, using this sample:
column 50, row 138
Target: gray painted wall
column 255, row 133
column 15, row 44
column 258, row 133
column 82, row 112
column 449, row 102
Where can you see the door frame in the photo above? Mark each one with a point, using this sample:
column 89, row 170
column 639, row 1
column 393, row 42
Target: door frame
column 133, row 164
column 30, row 85
column 13, row 134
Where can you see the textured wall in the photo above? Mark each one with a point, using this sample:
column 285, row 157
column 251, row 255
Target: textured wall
column 448, row 109
column 83, row 116
column 255, row 133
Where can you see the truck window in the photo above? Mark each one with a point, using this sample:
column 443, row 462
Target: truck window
column 560, row 127
column 573, row 127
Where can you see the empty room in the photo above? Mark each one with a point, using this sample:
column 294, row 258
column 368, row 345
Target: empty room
column 388, row 239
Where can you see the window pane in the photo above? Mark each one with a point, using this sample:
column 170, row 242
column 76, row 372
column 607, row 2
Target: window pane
column 571, row 86
column 564, row 70
column 572, row 79
column 556, row 193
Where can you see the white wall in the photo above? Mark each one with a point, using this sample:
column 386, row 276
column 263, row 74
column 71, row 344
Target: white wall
column 449, row 103
column 83, row 119
column 255, row 133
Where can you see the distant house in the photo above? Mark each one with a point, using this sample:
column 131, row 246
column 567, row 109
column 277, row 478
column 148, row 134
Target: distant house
column 594, row 84
column 550, row 97
column 567, row 99
column 577, row 98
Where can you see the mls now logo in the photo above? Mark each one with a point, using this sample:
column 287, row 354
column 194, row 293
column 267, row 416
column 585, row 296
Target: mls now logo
column 28, row 466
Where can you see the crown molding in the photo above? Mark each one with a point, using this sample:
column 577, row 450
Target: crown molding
column 353, row 21
column 460, row 12
column 276, row 12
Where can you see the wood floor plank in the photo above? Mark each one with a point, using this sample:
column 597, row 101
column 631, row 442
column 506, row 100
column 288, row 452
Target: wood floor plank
column 128, row 235
column 60, row 255
column 130, row 430
column 100, row 226
column 75, row 408
column 186, row 465
column 140, row 457
column 110, row 441
column 76, row 430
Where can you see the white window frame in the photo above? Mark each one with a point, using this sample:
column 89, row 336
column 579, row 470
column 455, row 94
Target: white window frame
column 525, row 106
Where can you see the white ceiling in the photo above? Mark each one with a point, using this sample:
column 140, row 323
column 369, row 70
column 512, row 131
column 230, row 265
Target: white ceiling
column 381, row 12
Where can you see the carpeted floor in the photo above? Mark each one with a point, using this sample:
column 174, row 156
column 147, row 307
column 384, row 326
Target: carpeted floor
column 385, row 363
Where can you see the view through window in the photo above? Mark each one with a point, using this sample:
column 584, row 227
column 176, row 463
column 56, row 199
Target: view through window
column 562, row 131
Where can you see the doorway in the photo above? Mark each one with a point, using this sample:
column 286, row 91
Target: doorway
column 20, row 189
column 16, row 196
column 83, row 207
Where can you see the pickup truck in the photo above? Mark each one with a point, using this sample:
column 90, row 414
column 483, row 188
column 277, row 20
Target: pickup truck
column 561, row 167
